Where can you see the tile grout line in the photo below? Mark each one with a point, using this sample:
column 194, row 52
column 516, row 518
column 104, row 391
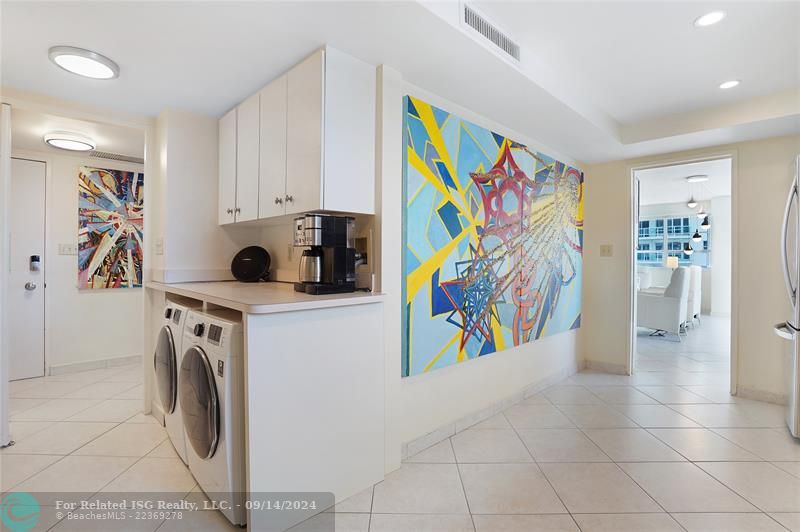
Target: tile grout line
column 544, row 475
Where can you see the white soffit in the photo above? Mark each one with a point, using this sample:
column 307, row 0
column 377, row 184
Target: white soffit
column 29, row 127
column 597, row 81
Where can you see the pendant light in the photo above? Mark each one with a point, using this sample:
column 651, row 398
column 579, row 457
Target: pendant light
column 696, row 237
column 705, row 225
column 687, row 249
column 701, row 213
column 692, row 203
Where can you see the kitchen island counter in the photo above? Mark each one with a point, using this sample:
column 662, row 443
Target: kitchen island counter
column 262, row 298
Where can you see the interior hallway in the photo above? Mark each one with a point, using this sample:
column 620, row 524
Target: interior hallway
column 700, row 362
column 659, row 450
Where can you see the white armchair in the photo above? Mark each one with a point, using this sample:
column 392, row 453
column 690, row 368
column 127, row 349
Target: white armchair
column 665, row 312
column 695, row 301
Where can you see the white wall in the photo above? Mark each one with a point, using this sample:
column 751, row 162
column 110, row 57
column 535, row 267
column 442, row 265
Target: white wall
column 762, row 173
column 81, row 325
column 420, row 404
column 193, row 246
column 721, row 234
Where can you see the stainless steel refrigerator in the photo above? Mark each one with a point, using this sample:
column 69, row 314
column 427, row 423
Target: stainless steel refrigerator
column 790, row 329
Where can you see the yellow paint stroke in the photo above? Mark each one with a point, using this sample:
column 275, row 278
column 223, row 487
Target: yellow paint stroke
column 497, row 329
column 424, row 272
column 434, row 180
column 430, row 364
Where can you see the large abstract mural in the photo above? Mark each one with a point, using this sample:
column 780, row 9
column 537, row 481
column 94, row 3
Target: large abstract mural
column 493, row 236
column 110, row 228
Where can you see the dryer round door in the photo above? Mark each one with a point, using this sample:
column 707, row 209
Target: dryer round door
column 199, row 402
column 166, row 368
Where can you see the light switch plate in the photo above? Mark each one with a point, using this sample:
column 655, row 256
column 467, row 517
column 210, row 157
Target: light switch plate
column 606, row 250
column 159, row 246
column 67, row 249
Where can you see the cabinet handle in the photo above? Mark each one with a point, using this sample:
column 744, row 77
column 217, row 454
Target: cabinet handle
column 229, row 211
column 237, row 210
column 278, row 201
column 289, row 199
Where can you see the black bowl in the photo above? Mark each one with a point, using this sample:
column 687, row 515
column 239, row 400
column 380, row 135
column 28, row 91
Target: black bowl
column 251, row 264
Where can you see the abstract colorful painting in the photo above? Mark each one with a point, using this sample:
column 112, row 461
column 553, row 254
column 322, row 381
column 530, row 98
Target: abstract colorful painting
column 493, row 236
column 110, row 228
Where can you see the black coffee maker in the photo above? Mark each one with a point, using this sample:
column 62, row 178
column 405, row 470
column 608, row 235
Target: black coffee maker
column 328, row 266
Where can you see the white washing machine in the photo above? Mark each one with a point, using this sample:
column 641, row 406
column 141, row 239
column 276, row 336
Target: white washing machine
column 211, row 389
column 167, row 363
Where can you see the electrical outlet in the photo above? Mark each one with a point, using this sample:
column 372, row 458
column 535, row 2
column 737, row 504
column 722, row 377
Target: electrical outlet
column 159, row 247
column 606, row 250
column 67, row 249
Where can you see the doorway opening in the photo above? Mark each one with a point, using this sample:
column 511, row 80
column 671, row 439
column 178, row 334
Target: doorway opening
column 682, row 277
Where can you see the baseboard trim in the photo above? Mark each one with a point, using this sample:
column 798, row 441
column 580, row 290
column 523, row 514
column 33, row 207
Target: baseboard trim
column 87, row 365
column 605, row 367
column 417, row 445
column 761, row 395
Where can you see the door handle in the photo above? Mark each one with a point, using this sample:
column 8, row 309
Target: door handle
column 30, row 286
column 787, row 276
column 786, row 331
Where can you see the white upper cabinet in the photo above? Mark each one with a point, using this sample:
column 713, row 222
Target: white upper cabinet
column 227, row 168
column 247, row 148
column 305, row 142
column 272, row 165
column 349, row 135
column 304, row 153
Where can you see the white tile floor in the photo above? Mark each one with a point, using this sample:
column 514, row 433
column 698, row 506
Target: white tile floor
column 85, row 432
column 665, row 449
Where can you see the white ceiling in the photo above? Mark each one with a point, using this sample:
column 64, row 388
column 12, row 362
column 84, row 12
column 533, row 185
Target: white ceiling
column 29, row 128
column 642, row 60
column 589, row 70
column 668, row 184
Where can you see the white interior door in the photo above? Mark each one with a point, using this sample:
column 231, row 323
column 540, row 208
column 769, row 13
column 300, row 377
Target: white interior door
column 26, row 277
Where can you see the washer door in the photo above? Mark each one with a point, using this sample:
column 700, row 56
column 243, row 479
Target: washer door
column 166, row 367
column 199, row 402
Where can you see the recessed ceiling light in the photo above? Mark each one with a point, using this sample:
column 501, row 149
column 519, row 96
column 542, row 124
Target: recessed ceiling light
column 83, row 62
column 69, row 141
column 699, row 178
column 709, row 19
column 729, row 84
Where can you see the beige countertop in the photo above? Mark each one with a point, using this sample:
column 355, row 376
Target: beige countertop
column 261, row 298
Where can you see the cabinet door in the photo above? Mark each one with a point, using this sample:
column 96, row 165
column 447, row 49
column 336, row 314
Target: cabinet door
column 227, row 168
column 272, row 164
column 247, row 131
column 304, row 135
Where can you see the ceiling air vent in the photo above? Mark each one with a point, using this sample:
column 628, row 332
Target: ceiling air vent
column 116, row 157
column 488, row 30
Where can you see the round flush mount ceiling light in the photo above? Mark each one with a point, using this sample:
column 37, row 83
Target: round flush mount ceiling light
column 709, row 19
column 84, row 63
column 69, row 141
column 699, row 178
column 729, row 84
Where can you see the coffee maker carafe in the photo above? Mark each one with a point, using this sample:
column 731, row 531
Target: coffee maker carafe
column 328, row 265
